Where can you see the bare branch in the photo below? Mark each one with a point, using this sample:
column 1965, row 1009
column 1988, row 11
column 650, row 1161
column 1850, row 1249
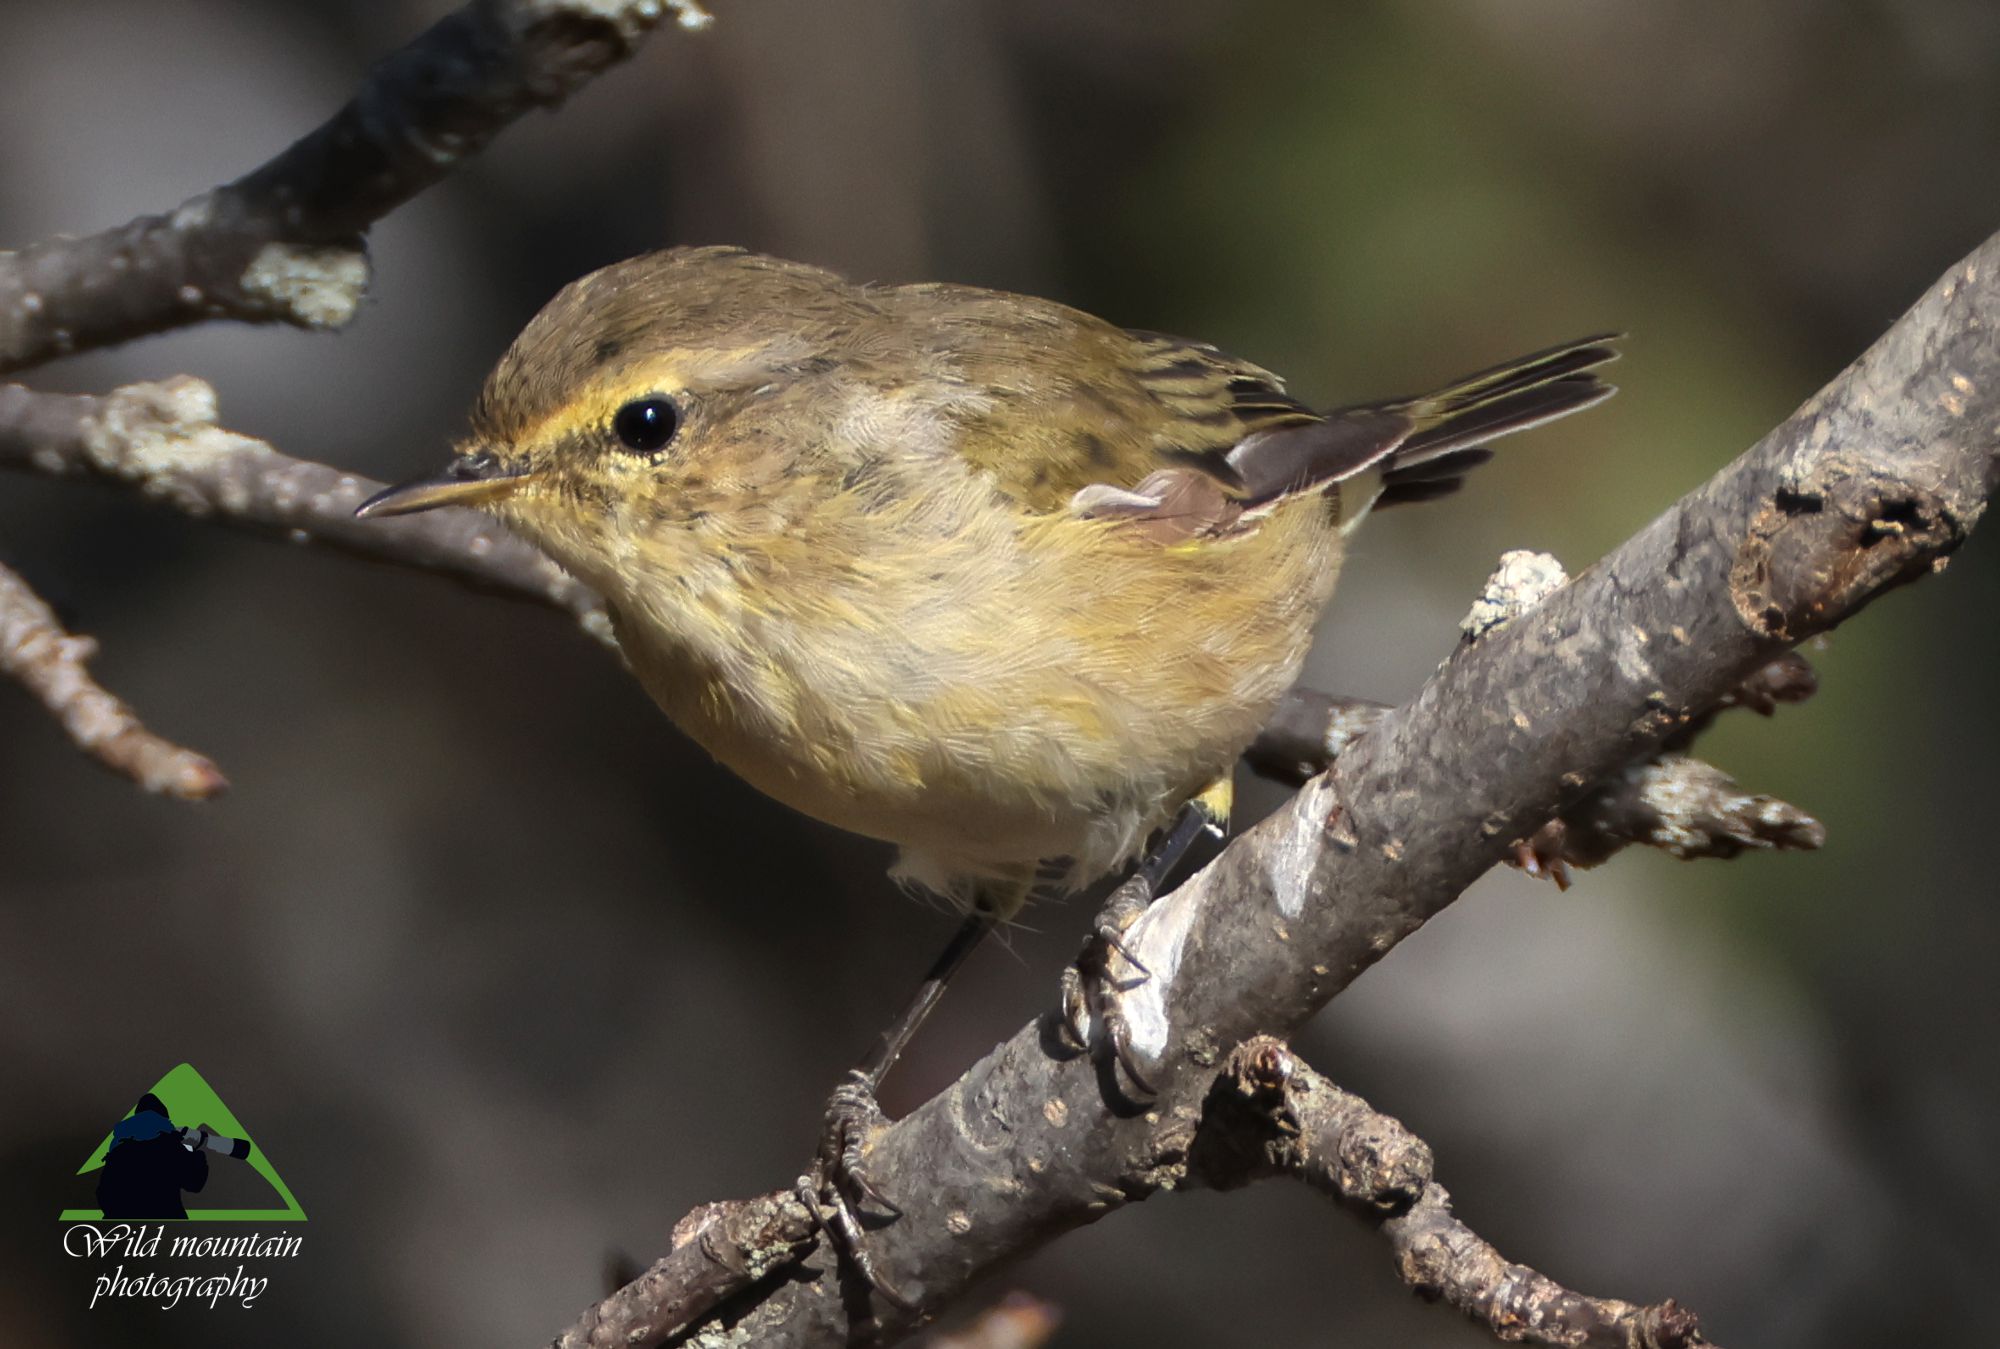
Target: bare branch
column 717, row 1250
column 1675, row 803
column 284, row 242
column 1307, row 733
column 1271, row 1114
column 162, row 439
column 48, row 662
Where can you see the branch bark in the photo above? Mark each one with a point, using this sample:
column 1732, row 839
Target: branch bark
column 162, row 440
column 1873, row 483
column 716, row 1251
column 284, row 243
column 1269, row 1114
column 37, row 653
column 1673, row 802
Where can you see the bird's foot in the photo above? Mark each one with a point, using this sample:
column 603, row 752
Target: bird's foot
column 1094, row 985
column 837, row 1185
column 1107, row 969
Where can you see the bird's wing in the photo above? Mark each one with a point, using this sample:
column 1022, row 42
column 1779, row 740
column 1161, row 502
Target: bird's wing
column 1074, row 405
column 1075, row 415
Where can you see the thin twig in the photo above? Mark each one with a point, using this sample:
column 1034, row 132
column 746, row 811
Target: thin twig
column 1680, row 805
column 38, row 654
column 162, row 440
column 1271, row 1114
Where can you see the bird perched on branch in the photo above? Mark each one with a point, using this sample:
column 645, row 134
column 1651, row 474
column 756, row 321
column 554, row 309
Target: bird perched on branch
column 991, row 579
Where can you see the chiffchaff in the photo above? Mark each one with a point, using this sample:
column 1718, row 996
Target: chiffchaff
column 994, row 580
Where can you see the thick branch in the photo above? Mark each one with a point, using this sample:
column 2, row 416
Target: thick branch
column 1678, row 804
column 283, row 243
column 1871, row 484
column 49, row 663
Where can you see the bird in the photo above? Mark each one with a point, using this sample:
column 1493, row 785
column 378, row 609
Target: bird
column 994, row 580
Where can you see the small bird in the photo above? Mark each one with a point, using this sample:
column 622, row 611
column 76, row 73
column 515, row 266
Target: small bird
column 1001, row 583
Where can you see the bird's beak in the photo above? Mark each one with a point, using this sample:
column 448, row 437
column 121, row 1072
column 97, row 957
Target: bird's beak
column 467, row 481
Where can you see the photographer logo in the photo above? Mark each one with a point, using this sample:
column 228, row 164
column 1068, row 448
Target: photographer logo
column 160, row 1152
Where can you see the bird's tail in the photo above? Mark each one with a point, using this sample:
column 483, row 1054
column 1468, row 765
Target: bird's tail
column 1417, row 449
column 1451, row 427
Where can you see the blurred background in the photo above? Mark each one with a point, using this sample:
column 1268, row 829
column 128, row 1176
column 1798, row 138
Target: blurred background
column 503, row 974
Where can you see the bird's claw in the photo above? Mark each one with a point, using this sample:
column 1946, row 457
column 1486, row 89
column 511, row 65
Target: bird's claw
column 1092, row 992
column 838, row 1183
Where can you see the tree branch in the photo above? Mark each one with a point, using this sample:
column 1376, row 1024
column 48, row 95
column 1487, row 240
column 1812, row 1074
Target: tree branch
column 283, row 243
column 1269, row 1114
column 48, row 662
column 1873, row 483
column 1675, row 803
column 716, row 1251
column 162, row 440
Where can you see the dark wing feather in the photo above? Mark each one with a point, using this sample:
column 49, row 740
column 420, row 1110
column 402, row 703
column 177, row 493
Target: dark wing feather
column 1416, row 444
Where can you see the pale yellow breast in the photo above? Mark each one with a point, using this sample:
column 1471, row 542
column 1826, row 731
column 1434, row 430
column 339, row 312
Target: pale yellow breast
column 1000, row 691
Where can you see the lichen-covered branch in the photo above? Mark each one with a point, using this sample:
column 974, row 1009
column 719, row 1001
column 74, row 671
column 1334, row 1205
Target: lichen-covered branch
column 1872, row 484
column 284, row 243
column 162, row 441
column 39, row 655
column 1307, row 733
column 1271, row 1114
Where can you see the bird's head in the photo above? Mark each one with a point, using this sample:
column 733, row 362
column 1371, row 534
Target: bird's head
column 652, row 411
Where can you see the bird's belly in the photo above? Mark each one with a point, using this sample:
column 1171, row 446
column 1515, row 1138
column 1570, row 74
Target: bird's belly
column 1001, row 789
column 991, row 718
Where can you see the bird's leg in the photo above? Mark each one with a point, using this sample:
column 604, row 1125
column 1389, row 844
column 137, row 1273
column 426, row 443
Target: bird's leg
column 839, row 1179
column 1090, row 993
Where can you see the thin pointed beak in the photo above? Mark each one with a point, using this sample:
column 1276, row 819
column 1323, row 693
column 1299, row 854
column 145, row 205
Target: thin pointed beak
column 467, row 481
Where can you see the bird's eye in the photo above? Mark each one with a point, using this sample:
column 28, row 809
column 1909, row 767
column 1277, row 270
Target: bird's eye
column 646, row 424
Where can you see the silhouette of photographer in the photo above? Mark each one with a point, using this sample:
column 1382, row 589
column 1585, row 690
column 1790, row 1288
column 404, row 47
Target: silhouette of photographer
column 149, row 1165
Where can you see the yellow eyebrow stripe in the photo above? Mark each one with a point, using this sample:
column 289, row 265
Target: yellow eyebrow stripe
column 592, row 403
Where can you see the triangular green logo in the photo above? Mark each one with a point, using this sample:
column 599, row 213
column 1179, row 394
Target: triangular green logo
column 189, row 1098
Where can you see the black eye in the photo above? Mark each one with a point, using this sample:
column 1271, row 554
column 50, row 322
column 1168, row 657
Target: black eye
column 646, row 424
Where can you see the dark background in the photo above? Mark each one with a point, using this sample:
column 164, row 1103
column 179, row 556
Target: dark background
column 502, row 973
